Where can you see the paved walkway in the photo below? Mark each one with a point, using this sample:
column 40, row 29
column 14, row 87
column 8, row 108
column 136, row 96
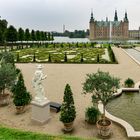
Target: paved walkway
column 74, row 74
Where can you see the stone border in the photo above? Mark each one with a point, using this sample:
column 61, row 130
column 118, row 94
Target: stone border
column 131, row 133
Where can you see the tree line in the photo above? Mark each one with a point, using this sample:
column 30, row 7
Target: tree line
column 11, row 34
column 74, row 34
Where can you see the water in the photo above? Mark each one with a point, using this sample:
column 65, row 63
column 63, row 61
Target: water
column 67, row 39
column 127, row 107
column 134, row 53
column 70, row 40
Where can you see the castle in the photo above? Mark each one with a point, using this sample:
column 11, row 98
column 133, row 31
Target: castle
column 109, row 30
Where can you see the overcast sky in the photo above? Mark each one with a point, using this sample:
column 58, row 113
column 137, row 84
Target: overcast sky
column 74, row 14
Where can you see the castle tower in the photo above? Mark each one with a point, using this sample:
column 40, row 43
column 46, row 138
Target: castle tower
column 126, row 26
column 92, row 27
column 116, row 16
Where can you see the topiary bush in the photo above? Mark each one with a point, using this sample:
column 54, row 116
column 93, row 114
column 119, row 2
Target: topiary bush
column 68, row 113
column 21, row 96
column 129, row 82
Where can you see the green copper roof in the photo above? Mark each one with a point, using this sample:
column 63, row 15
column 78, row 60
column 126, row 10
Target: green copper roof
column 107, row 23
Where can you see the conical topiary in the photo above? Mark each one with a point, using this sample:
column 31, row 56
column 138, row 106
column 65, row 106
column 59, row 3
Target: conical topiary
column 68, row 113
column 20, row 94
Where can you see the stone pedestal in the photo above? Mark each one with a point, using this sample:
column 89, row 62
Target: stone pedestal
column 40, row 111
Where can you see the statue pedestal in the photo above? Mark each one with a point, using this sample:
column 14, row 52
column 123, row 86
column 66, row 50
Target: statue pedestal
column 40, row 111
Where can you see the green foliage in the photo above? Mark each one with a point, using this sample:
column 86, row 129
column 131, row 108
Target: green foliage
column 92, row 114
column 49, row 58
column 18, row 57
column 33, row 35
column 34, row 58
column 27, row 35
column 98, row 58
column 101, row 85
column 7, row 76
column 129, row 82
column 82, row 59
column 68, row 112
column 57, row 53
column 20, row 94
column 14, row 134
column 3, row 28
column 21, row 34
column 111, row 54
column 11, row 34
column 65, row 57
column 38, row 35
column 7, row 57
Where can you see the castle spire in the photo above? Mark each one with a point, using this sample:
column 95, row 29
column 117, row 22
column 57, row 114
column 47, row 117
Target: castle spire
column 91, row 19
column 116, row 16
column 125, row 17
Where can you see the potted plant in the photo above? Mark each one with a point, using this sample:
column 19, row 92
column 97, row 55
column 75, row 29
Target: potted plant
column 68, row 113
column 129, row 83
column 7, row 76
column 21, row 97
column 102, row 86
column 92, row 113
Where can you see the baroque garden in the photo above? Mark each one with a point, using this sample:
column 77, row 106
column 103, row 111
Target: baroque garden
column 108, row 71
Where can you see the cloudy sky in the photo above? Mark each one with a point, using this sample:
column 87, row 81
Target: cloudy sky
column 74, row 14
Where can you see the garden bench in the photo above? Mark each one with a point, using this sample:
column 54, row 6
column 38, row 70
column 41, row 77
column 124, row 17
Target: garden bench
column 56, row 106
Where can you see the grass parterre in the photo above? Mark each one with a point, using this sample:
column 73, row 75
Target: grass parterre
column 58, row 52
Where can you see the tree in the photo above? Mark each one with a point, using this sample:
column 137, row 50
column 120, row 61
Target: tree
column 21, row 34
column 33, row 36
column 11, row 34
column 68, row 113
column 27, row 34
column 20, row 94
column 8, row 57
column 7, row 76
column 49, row 36
column 3, row 28
column 38, row 36
column 102, row 87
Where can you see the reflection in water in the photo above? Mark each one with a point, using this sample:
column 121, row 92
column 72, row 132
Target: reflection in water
column 127, row 107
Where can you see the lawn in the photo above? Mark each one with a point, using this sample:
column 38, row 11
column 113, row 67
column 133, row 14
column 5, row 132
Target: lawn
column 14, row 134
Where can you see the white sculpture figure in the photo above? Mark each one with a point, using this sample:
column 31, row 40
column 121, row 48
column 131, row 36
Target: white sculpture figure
column 37, row 84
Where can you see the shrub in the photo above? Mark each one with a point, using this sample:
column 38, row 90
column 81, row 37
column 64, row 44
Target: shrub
column 129, row 82
column 65, row 57
column 98, row 58
column 20, row 94
column 82, row 59
column 49, row 58
column 18, row 57
column 92, row 115
column 111, row 54
column 34, row 58
column 7, row 76
column 68, row 112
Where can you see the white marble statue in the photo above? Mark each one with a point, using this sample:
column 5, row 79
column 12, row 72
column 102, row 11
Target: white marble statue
column 37, row 84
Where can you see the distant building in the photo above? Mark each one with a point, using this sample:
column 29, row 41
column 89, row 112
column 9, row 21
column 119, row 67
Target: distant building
column 134, row 34
column 109, row 29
